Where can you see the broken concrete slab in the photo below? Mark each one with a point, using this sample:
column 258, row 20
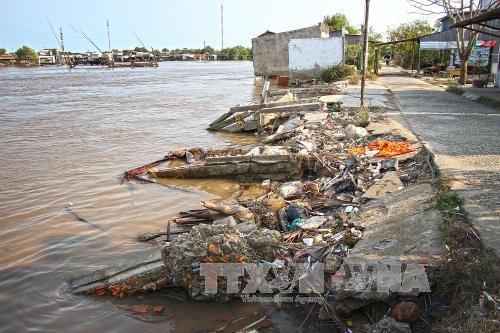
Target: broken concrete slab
column 255, row 107
column 401, row 226
column 258, row 167
column 354, row 101
column 389, row 183
column 294, row 108
column 369, row 90
column 236, row 118
column 226, row 221
column 267, row 150
column 144, row 275
column 315, row 117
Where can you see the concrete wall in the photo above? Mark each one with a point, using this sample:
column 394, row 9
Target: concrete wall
column 308, row 56
column 270, row 52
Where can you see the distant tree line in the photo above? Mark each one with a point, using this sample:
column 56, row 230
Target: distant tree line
column 339, row 21
column 231, row 53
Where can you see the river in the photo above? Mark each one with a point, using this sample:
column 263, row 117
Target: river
column 66, row 136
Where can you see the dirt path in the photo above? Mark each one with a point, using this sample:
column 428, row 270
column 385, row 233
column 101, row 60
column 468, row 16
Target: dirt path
column 464, row 136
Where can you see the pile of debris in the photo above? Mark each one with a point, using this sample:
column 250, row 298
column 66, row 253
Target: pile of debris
column 316, row 189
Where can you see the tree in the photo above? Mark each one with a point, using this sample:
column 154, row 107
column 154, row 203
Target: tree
column 140, row 49
column 235, row 53
column 458, row 11
column 27, row 54
column 164, row 50
column 208, row 49
column 406, row 51
column 338, row 22
column 2, row 51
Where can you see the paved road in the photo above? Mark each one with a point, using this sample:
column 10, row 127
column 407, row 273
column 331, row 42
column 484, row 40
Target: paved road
column 465, row 138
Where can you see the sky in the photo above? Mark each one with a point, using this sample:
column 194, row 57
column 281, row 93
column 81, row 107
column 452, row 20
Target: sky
column 179, row 23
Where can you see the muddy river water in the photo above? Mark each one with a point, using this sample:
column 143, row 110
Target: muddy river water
column 65, row 138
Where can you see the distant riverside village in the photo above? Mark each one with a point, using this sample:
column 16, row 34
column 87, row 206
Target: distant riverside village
column 139, row 56
column 305, row 53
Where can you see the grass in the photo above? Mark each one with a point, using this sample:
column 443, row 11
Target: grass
column 354, row 79
column 488, row 101
column 467, row 271
column 447, row 201
column 362, row 118
column 455, row 89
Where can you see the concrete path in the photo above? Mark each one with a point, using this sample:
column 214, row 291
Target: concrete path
column 465, row 138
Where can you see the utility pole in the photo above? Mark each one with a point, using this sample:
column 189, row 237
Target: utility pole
column 222, row 25
column 109, row 39
column 365, row 49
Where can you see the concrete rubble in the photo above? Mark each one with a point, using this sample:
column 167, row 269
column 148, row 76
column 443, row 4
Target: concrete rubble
column 316, row 188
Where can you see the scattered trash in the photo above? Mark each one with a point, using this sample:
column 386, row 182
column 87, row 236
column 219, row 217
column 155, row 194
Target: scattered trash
column 312, row 222
column 308, row 241
column 266, row 182
column 290, row 190
column 240, row 212
column 385, row 148
column 303, row 190
column 355, row 132
column 389, row 324
column 390, row 164
column 295, row 211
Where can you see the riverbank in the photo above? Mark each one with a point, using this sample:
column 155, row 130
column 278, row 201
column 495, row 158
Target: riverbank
column 354, row 194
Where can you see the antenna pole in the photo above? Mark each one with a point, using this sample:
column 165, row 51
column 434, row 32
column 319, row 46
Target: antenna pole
column 222, row 25
column 109, row 39
column 62, row 39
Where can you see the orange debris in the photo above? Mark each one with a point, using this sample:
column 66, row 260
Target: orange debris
column 387, row 148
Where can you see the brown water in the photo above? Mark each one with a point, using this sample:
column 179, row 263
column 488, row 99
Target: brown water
column 65, row 137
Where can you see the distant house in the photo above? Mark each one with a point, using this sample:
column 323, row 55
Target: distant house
column 298, row 53
column 46, row 59
column 446, row 39
column 8, row 59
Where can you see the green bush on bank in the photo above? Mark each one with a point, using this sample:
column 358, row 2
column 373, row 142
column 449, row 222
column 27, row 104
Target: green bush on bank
column 488, row 101
column 337, row 73
column 455, row 89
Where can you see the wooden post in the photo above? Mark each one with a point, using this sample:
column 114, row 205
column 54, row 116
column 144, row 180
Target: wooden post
column 412, row 56
column 365, row 56
column 375, row 61
column 265, row 91
column 418, row 66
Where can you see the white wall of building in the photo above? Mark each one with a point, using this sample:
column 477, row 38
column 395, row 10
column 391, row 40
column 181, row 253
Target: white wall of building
column 311, row 54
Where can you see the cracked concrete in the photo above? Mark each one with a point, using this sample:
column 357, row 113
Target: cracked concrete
column 463, row 135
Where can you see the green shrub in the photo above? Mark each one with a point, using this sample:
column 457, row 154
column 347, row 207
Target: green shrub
column 488, row 101
column 362, row 118
column 337, row 73
column 455, row 89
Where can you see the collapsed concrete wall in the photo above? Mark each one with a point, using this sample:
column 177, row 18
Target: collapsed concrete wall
column 308, row 56
column 270, row 50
